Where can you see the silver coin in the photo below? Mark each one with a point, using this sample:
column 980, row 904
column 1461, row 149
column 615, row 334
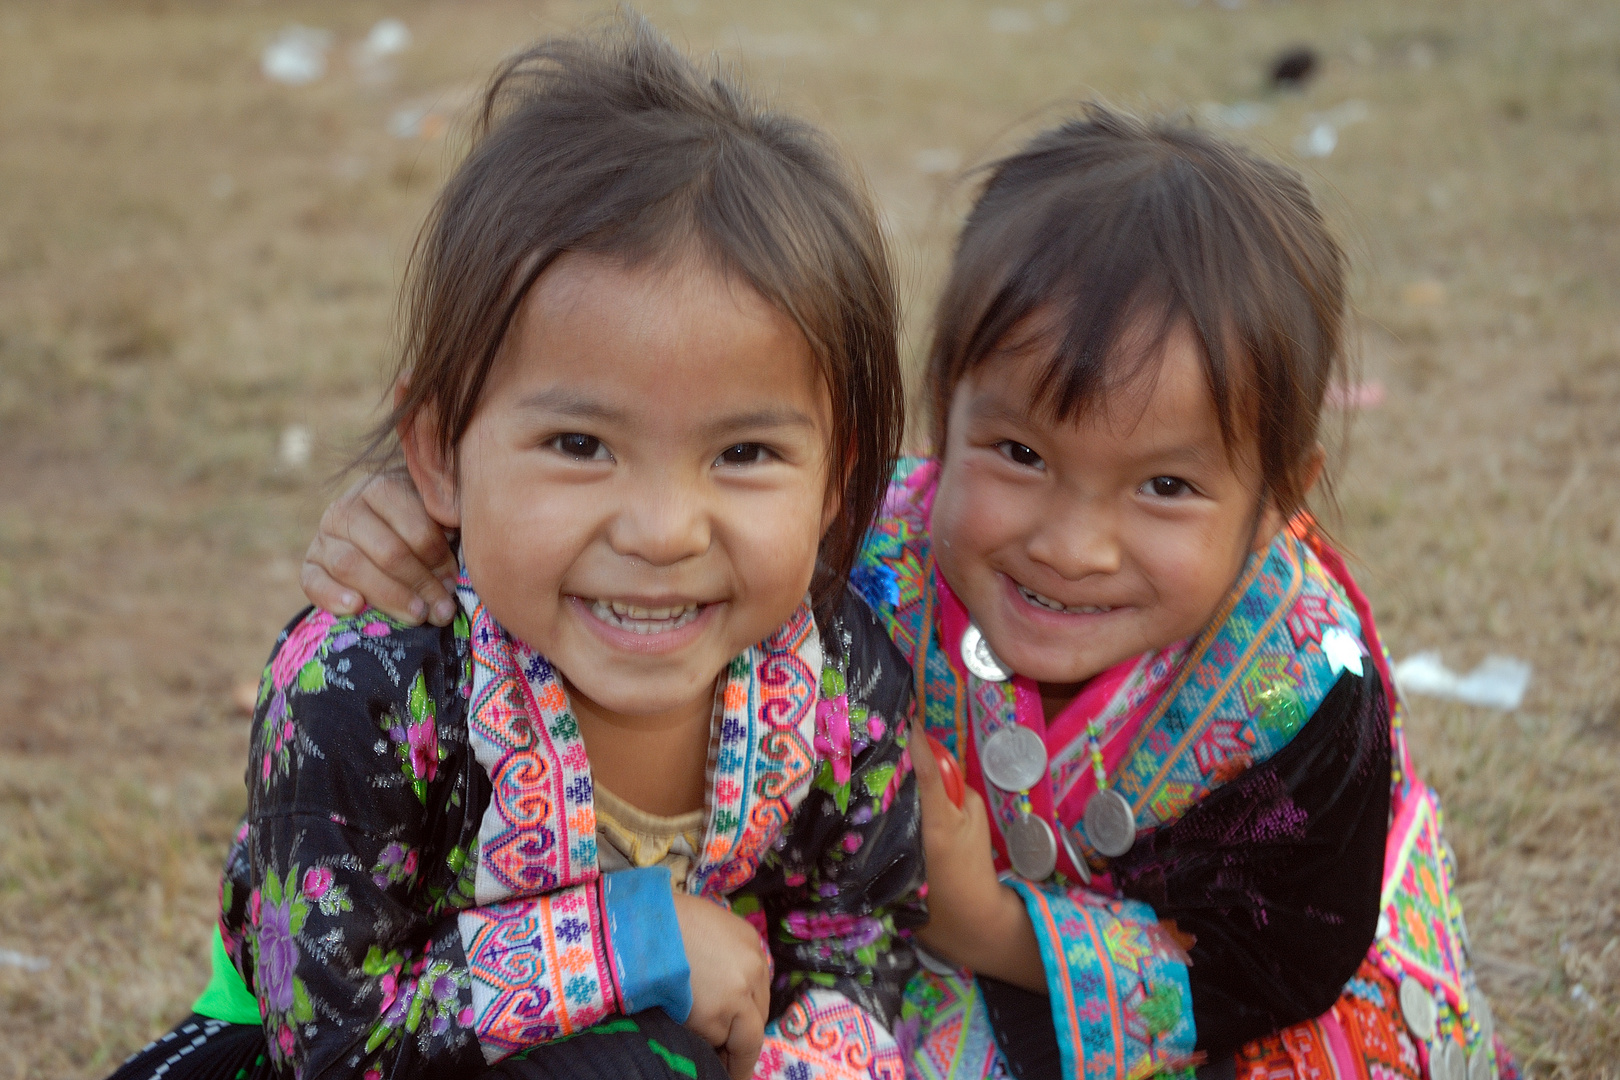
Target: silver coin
column 1480, row 1064
column 1075, row 857
column 1031, row 848
column 1014, row 758
column 1110, row 824
column 980, row 659
column 1417, row 1006
column 1447, row 1061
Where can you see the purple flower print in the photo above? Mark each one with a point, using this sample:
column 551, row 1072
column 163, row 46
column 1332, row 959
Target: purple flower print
column 396, row 863
column 278, row 955
column 302, row 644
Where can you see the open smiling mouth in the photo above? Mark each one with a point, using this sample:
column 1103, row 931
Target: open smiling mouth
column 645, row 620
column 1052, row 605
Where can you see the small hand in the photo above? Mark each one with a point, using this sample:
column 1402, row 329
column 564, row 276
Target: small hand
column 731, row 990
column 973, row 919
column 376, row 545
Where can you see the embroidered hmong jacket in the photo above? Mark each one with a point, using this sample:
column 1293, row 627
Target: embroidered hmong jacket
column 415, row 891
column 1265, row 766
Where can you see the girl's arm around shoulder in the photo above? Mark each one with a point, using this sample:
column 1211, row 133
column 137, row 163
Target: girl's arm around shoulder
column 841, row 891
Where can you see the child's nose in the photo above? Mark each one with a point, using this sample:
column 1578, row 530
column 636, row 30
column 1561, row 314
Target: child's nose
column 661, row 523
column 1078, row 540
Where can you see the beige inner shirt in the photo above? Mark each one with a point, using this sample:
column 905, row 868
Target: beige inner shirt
column 628, row 837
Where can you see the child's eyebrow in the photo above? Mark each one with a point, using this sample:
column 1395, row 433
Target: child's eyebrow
column 572, row 403
column 757, row 419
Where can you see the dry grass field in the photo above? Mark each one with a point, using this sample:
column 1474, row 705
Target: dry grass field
column 195, row 259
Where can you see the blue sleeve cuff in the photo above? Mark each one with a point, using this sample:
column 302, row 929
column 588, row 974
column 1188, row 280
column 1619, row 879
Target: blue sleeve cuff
column 644, row 942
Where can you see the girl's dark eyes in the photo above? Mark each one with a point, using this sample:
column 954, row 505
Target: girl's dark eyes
column 580, row 447
column 748, row 453
column 1167, row 487
column 1019, row 454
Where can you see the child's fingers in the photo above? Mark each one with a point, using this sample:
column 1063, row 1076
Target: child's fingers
column 351, row 571
column 394, row 499
column 939, row 814
column 327, row 594
column 362, row 548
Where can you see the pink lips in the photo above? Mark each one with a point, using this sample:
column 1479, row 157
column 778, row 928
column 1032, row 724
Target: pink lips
column 645, row 644
column 1030, row 610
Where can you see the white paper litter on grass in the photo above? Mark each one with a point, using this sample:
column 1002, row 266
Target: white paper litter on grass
column 12, row 958
column 1499, row 682
column 297, row 55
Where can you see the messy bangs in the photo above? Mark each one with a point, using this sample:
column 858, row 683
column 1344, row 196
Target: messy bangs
column 1103, row 235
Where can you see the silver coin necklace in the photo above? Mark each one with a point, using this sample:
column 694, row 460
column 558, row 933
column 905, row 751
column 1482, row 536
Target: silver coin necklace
column 1109, row 821
column 1013, row 760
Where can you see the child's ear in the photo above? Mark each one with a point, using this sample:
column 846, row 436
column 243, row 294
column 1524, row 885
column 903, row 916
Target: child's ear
column 1271, row 519
column 432, row 470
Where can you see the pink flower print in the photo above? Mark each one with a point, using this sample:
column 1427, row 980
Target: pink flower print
column 832, row 734
column 876, row 727
column 410, row 864
column 284, row 1040
column 853, row 931
column 465, row 1017
column 424, row 743
column 390, row 988
column 253, row 907
column 302, row 644
column 852, row 842
column 317, row 879
column 375, row 629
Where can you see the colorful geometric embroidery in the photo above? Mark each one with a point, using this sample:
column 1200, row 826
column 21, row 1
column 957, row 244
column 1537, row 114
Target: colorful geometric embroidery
column 764, row 761
column 944, row 1029
column 534, row 944
column 539, row 831
column 1122, row 1004
column 823, row 1036
column 538, row 969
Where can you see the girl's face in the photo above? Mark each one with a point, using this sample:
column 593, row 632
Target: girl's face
column 643, row 488
column 1078, row 545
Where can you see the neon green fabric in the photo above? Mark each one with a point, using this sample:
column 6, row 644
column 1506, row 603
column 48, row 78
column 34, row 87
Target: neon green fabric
column 226, row 996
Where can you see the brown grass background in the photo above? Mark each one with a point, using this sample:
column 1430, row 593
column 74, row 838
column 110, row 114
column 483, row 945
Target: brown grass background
column 193, row 258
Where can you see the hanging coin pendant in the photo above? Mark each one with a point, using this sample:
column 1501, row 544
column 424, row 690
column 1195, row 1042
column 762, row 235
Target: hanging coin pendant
column 1417, row 1008
column 1446, row 1061
column 1075, row 857
column 1480, row 1065
column 1110, row 824
column 979, row 659
column 1031, row 848
column 1014, row 759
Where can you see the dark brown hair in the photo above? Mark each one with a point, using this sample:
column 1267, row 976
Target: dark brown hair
column 1107, row 225
column 616, row 144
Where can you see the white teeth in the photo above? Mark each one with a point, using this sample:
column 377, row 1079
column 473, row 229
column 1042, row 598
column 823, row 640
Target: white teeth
column 644, row 620
column 1052, row 605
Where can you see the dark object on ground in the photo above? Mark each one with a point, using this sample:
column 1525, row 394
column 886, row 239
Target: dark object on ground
column 1294, row 67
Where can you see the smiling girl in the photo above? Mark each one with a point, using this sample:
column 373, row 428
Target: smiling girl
column 1205, row 844
column 659, row 753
